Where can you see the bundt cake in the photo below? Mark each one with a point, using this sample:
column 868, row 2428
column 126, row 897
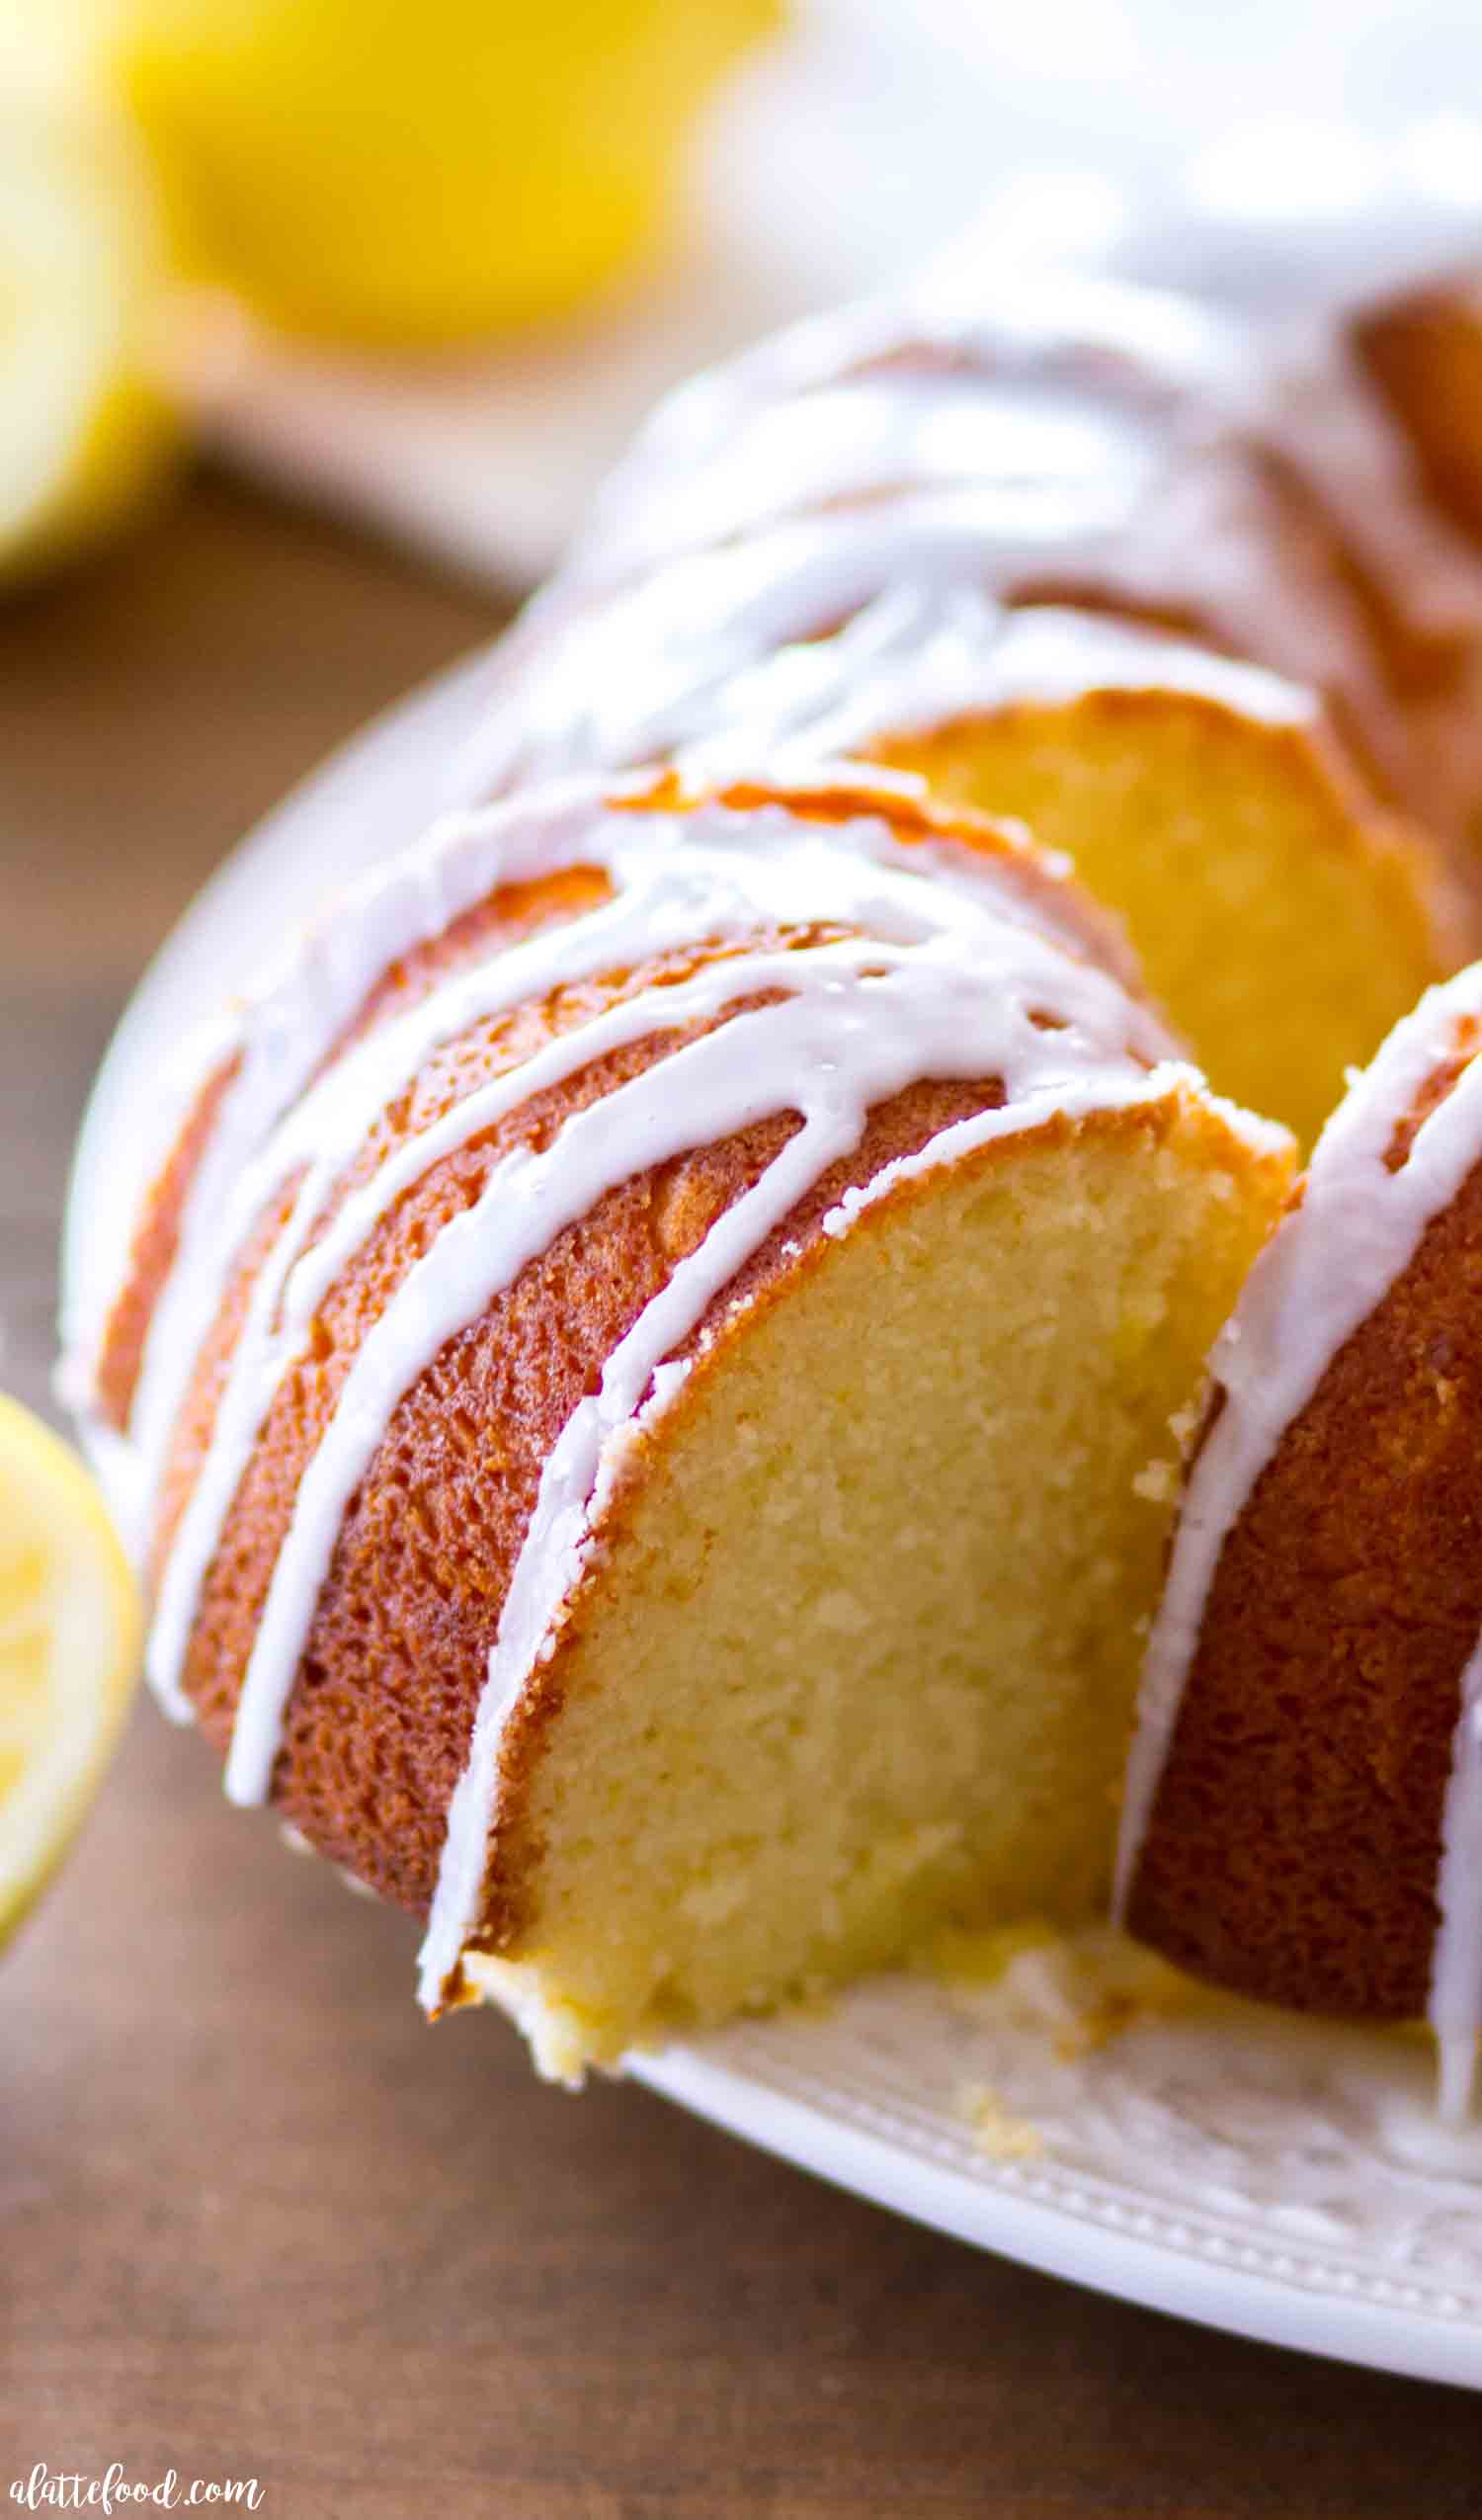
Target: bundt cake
column 637, row 1374
column 1303, row 1816
column 1045, row 543
column 649, row 1380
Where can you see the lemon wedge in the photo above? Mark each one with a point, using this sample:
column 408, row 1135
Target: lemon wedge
column 69, row 1647
column 412, row 175
column 86, row 433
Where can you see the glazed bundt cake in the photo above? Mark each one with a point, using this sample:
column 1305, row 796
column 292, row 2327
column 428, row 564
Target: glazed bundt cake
column 638, row 1375
column 1071, row 551
column 1303, row 1817
column 650, row 1379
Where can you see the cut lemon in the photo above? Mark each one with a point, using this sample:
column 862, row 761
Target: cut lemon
column 86, row 432
column 69, row 1650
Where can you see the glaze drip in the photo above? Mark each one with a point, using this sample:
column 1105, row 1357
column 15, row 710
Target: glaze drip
column 1331, row 1263
column 949, row 962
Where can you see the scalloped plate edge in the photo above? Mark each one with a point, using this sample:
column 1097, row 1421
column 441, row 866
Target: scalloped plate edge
column 1151, row 2272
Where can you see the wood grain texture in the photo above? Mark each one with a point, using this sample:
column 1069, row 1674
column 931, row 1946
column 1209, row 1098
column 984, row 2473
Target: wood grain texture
column 255, row 2218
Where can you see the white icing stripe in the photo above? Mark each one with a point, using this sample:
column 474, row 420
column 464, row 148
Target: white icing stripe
column 984, row 436
column 551, row 1557
column 1295, row 1312
column 1455, row 2010
column 643, row 675
column 1329, row 1264
column 842, row 1035
column 935, row 980
column 711, row 872
column 1070, row 396
column 324, row 1129
column 1072, row 435
column 920, row 658
column 664, row 896
column 732, row 447
column 283, row 1035
column 294, row 1280
column 868, row 434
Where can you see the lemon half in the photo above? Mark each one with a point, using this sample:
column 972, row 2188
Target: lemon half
column 406, row 176
column 70, row 1631
column 86, row 431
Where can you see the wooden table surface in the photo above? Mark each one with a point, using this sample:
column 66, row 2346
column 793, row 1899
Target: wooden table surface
column 256, row 2220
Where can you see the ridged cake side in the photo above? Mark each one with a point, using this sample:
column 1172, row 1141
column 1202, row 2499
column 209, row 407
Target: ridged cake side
column 1090, row 554
column 1304, row 1812
column 526, row 1128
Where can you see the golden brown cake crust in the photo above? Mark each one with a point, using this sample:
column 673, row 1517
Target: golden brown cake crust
column 1316, row 472
column 1294, row 1845
column 514, row 1851
column 378, row 1721
column 517, row 910
column 152, row 1253
column 1310, row 752
column 501, row 919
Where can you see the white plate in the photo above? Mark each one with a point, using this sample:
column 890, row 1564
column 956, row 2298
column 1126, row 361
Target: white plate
column 1278, row 2179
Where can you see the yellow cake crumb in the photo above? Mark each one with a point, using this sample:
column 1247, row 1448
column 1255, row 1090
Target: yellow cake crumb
column 977, row 1957
column 1109, row 1984
column 996, row 2129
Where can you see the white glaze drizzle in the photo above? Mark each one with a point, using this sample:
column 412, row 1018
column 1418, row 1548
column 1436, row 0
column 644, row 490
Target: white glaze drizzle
column 945, row 979
column 1093, row 353
column 941, row 983
column 1455, row 2005
column 834, row 1102
column 970, row 443
column 298, row 1273
column 1075, row 409
column 854, row 441
column 284, row 1032
column 1331, row 1262
column 919, row 658
column 836, row 1021
column 674, row 878
column 1060, row 370
column 651, row 670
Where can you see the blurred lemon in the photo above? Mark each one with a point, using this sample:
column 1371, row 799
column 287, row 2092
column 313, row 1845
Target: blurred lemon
column 415, row 172
column 85, row 431
column 69, row 1646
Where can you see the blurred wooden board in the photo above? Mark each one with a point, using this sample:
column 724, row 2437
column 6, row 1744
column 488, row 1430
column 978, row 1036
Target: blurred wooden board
column 255, row 2218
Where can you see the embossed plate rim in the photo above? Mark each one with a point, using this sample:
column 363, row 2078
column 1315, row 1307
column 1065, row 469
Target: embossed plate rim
column 1081, row 2230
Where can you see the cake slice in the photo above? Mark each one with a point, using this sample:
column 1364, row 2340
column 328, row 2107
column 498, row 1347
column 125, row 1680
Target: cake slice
column 1085, row 553
column 641, row 1375
column 1303, row 1819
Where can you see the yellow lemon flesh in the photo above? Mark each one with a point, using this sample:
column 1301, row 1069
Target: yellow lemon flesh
column 69, row 1648
column 381, row 173
column 85, row 432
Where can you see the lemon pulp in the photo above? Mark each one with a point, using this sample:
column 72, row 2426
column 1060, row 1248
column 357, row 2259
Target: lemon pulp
column 85, row 430
column 69, row 1645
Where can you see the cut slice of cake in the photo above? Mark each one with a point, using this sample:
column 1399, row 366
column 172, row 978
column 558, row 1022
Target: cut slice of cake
column 1303, row 1819
column 641, row 1373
